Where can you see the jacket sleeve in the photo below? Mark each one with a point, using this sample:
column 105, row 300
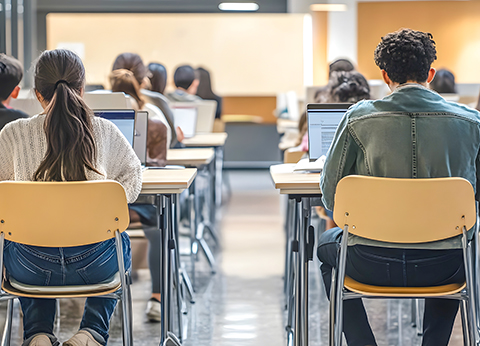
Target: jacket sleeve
column 340, row 162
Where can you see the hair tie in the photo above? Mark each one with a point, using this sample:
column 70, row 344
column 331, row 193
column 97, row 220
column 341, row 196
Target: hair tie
column 61, row 81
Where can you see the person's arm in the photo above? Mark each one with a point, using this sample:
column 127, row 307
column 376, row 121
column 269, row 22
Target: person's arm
column 339, row 163
column 7, row 139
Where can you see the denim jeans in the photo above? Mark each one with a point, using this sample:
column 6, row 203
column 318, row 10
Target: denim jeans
column 394, row 267
column 80, row 265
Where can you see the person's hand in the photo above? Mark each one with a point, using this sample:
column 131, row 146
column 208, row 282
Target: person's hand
column 180, row 135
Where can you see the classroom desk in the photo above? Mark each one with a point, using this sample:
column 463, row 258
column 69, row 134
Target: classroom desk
column 215, row 140
column 164, row 185
column 190, row 157
column 303, row 190
column 200, row 158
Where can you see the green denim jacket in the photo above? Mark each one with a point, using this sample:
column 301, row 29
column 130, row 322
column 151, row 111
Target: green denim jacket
column 412, row 133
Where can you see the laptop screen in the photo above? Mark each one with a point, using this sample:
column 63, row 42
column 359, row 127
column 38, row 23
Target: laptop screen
column 123, row 119
column 186, row 119
column 323, row 120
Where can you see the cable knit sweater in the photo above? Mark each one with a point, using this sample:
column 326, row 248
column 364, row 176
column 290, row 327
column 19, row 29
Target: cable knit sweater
column 23, row 146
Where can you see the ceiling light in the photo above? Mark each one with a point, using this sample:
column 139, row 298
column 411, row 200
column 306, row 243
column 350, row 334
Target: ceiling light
column 328, row 7
column 238, row 6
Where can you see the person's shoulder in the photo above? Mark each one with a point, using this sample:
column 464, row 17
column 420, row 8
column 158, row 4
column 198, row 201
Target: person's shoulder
column 13, row 113
column 361, row 108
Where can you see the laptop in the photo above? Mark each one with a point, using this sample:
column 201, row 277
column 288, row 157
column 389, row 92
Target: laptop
column 124, row 119
column 185, row 117
column 140, row 140
column 323, row 120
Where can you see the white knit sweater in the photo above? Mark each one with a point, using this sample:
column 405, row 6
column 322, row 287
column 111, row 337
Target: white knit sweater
column 23, row 146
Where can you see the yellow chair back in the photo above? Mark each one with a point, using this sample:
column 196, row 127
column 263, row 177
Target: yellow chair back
column 62, row 214
column 404, row 210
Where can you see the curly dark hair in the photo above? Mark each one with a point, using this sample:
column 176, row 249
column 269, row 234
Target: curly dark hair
column 406, row 55
column 345, row 86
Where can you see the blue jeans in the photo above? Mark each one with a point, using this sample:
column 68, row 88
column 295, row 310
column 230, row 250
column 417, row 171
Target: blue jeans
column 394, row 267
column 80, row 265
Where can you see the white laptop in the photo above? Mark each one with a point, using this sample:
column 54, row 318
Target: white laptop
column 185, row 117
column 205, row 114
column 124, row 119
column 323, row 120
column 140, row 140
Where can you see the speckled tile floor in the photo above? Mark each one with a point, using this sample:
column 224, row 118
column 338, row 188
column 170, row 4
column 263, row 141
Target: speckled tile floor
column 243, row 303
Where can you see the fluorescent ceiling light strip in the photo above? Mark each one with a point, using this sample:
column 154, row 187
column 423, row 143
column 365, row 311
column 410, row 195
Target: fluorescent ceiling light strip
column 238, row 6
column 328, row 7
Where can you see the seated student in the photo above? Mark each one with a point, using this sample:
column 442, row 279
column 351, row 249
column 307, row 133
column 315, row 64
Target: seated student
column 70, row 144
column 133, row 62
column 205, row 91
column 124, row 80
column 412, row 133
column 443, row 82
column 186, row 82
column 336, row 66
column 11, row 73
column 155, row 94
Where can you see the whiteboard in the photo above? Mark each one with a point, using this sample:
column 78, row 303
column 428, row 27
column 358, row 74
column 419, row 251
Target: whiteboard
column 247, row 54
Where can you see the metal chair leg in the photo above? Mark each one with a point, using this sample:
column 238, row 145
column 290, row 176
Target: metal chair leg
column 333, row 295
column 465, row 329
column 7, row 332
column 418, row 317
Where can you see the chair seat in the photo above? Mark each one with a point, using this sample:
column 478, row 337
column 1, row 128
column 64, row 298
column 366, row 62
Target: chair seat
column 111, row 285
column 382, row 291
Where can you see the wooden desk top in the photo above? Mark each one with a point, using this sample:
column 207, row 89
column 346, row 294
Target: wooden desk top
column 290, row 183
column 190, row 157
column 214, row 139
column 167, row 181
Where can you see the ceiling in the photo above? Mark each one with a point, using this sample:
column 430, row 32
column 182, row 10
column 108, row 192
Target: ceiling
column 162, row 6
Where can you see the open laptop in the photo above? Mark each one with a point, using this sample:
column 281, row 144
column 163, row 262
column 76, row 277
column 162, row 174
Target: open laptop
column 124, row 119
column 185, row 117
column 323, row 120
column 140, row 140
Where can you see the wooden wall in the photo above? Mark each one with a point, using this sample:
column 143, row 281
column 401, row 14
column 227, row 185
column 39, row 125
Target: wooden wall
column 455, row 26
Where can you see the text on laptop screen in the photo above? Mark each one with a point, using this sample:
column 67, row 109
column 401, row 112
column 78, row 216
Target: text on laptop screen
column 322, row 124
column 123, row 119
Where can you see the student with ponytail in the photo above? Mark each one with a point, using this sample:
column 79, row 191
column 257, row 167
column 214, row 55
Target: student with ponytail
column 65, row 143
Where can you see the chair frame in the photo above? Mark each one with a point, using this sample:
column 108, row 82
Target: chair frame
column 339, row 292
column 122, row 292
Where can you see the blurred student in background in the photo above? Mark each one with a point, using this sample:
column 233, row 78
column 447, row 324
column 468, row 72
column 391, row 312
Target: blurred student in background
column 11, row 73
column 443, row 82
column 157, row 74
column 125, row 81
column 205, row 91
column 186, row 81
column 134, row 63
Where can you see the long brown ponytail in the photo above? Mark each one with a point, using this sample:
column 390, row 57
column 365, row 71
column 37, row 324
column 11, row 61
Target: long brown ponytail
column 71, row 149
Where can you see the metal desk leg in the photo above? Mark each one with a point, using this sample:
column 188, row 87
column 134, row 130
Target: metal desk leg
column 293, row 273
column 218, row 175
column 164, row 218
column 301, row 292
column 288, row 248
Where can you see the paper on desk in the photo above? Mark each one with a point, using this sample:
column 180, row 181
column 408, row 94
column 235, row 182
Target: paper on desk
column 305, row 166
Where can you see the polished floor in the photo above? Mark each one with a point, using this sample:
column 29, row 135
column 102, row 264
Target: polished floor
column 243, row 303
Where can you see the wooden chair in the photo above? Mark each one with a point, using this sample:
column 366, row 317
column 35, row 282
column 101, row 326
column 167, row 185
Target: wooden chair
column 65, row 214
column 403, row 211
